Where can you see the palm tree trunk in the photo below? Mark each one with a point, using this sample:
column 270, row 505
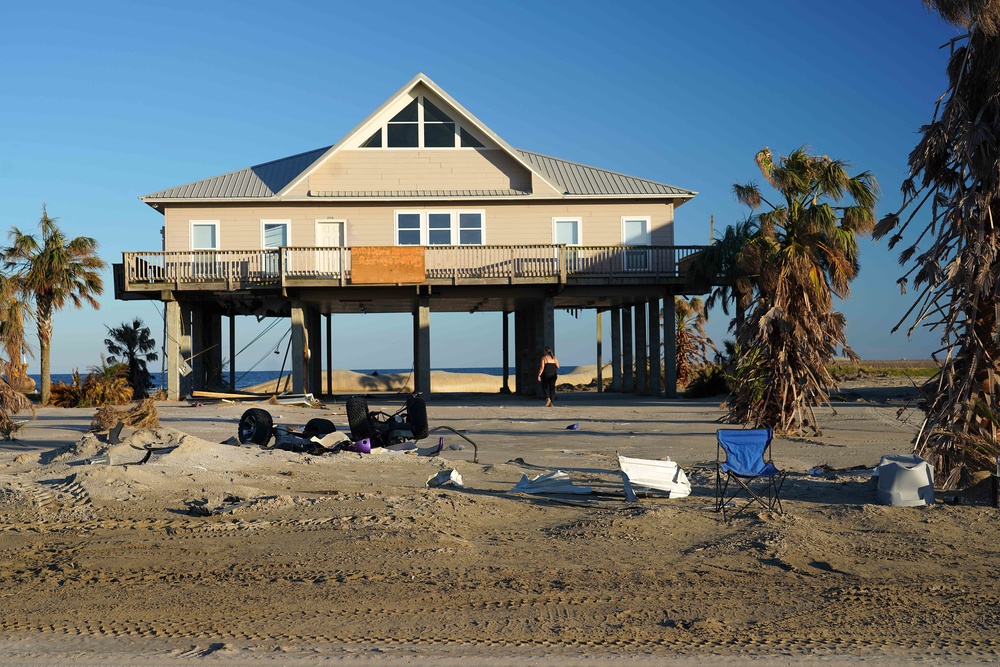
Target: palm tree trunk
column 44, row 342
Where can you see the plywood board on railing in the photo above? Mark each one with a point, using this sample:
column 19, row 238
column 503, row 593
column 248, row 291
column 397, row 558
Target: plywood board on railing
column 379, row 265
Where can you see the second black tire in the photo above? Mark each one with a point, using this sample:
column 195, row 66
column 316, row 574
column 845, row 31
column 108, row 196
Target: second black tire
column 357, row 418
column 416, row 415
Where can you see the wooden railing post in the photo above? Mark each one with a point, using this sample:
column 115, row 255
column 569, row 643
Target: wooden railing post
column 281, row 266
column 562, row 265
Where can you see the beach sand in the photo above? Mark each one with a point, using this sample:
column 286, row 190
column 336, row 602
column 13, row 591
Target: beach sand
column 221, row 554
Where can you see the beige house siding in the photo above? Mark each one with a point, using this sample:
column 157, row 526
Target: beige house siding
column 374, row 224
column 419, row 169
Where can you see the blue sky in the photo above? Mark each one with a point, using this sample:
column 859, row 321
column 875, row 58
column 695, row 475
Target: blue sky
column 102, row 102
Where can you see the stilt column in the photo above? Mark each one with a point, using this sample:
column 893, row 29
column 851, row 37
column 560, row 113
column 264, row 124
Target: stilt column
column 299, row 347
column 655, row 370
column 422, row 346
column 616, row 349
column 628, row 363
column 641, row 376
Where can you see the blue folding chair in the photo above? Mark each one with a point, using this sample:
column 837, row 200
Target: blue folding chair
column 746, row 468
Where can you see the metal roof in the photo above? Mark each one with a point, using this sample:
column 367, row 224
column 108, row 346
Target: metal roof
column 258, row 182
column 579, row 179
column 263, row 181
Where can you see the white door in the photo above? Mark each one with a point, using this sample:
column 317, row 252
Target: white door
column 636, row 233
column 329, row 235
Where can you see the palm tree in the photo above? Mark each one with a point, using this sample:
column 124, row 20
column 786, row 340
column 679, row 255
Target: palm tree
column 720, row 265
column 956, row 268
column 52, row 270
column 803, row 254
column 693, row 343
column 12, row 347
column 132, row 345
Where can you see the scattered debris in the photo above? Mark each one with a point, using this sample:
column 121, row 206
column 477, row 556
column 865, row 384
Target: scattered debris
column 905, row 480
column 141, row 415
column 573, row 427
column 553, row 482
column 446, row 478
column 662, row 475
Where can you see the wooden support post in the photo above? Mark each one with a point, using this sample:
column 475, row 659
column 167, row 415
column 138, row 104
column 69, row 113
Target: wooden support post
column 505, row 389
column 655, row 370
column 232, row 353
column 600, row 353
column 616, row 349
column 329, row 354
column 641, row 360
column 628, row 364
column 299, row 347
column 186, row 347
column 172, row 310
column 422, row 346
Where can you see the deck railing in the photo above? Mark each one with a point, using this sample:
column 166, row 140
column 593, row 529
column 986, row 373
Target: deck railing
column 496, row 263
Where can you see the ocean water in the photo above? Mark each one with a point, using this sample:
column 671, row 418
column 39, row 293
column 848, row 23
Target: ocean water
column 251, row 378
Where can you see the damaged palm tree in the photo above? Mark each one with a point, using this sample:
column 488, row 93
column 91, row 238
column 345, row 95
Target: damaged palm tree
column 803, row 254
column 12, row 347
column 955, row 260
column 693, row 344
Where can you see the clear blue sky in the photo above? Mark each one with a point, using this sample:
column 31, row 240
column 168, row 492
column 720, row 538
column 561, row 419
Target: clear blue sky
column 102, row 102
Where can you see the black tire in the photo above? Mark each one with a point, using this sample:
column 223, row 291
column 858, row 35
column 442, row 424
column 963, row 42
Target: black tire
column 255, row 427
column 357, row 418
column 318, row 427
column 416, row 415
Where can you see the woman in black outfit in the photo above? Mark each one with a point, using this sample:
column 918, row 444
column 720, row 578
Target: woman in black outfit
column 547, row 374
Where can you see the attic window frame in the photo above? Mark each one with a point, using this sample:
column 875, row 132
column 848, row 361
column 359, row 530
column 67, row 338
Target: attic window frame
column 382, row 131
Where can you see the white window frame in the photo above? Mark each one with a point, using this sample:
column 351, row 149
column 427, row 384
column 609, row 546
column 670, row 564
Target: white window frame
column 288, row 232
column 637, row 260
column 482, row 224
column 421, row 229
column 649, row 227
column 213, row 223
column 424, row 214
column 343, row 228
column 568, row 218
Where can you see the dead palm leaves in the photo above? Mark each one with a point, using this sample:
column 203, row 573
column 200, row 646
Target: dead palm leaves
column 955, row 184
column 802, row 253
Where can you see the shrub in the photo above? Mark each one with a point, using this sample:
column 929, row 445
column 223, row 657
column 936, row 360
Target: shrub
column 706, row 381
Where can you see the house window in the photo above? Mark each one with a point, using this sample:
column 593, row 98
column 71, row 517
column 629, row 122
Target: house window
column 439, row 229
column 434, row 227
column 408, row 228
column 567, row 231
column 204, row 235
column 439, row 129
column 404, row 128
column 274, row 233
column 470, row 228
column 635, row 232
column 469, row 141
column 421, row 124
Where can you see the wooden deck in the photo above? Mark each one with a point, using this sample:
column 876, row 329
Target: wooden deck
column 441, row 265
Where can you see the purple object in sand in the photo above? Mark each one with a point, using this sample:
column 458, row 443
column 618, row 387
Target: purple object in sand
column 363, row 446
column 573, row 427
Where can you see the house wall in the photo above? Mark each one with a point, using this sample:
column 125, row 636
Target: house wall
column 373, row 224
column 386, row 170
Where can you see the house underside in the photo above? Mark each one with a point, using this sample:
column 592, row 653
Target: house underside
column 201, row 290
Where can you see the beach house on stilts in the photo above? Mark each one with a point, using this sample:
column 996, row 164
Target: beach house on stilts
column 419, row 208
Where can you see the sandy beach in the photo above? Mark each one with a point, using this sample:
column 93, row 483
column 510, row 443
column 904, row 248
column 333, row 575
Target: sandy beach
column 221, row 554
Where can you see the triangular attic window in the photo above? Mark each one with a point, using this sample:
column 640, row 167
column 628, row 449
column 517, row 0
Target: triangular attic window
column 374, row 141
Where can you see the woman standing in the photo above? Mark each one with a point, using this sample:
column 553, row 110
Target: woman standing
column 547, row 374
